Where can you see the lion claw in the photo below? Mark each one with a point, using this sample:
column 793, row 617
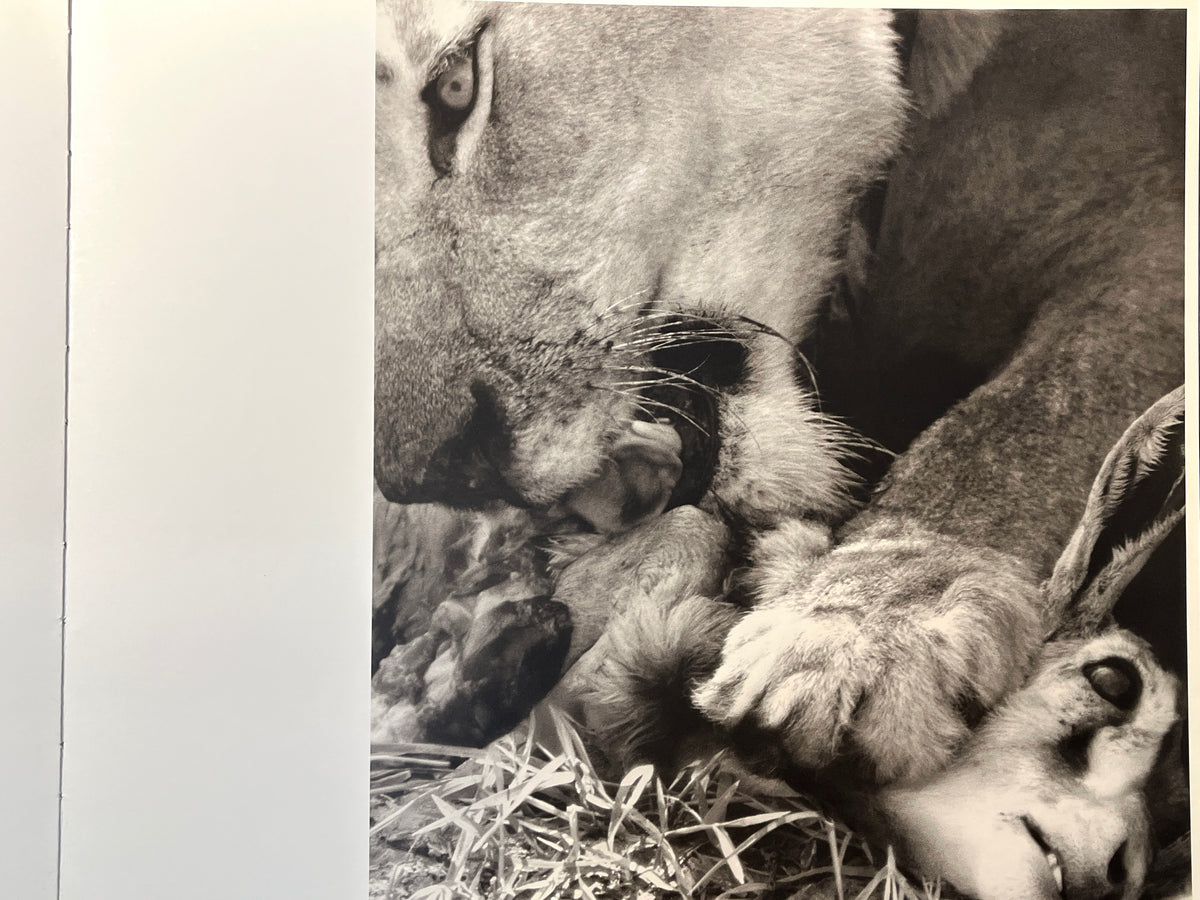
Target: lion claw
column 877, row 653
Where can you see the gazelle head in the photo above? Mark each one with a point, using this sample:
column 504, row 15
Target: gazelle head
column 1067, row 788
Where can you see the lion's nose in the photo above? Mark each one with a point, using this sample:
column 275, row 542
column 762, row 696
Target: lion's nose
column 441, row 443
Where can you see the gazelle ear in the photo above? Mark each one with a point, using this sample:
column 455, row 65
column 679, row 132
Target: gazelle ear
column 1135, row 502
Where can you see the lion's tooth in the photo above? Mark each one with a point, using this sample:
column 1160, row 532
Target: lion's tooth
column 1055, row 869
column 635, row 483
column 659, row 433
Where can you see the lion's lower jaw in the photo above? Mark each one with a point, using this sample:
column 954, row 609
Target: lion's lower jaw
column 779, row 460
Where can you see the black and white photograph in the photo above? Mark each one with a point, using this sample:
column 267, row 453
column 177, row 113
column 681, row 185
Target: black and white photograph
column 779, row 453
column 487, row 449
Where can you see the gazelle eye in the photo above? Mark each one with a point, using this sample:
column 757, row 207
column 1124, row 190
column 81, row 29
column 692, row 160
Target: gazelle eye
column 1116, row 680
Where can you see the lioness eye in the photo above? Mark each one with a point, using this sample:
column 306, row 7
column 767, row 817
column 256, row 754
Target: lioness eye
column 450, row 96
column 456, row 86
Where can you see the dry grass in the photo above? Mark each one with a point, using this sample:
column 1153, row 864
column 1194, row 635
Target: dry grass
column 529, row 817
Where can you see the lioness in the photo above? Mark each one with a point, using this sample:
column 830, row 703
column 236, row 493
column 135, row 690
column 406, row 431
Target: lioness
column 595, row 225
column 601, row 232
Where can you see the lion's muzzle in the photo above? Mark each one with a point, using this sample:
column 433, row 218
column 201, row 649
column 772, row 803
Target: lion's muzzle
column 437, row 438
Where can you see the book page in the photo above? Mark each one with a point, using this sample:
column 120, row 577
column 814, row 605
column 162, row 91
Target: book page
column 33, row 276
column 218, row 524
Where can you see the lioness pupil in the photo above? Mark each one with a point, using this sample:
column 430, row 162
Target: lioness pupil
column 456, row 86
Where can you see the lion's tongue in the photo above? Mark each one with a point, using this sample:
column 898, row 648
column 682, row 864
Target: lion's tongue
column 635, row 482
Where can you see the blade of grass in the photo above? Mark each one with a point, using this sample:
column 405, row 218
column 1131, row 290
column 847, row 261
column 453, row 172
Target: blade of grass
column 751, row 887
column 394, row 815
column 831, row 836
column 664, row 817
column 666, row 852
column 553, row 884
column 413, row 762
column 785, row 818
column 729, row 857
column 871, row 885
column 422, row 749
column 450, row 816
column 629, row 792
column 734, row 853
column 848, row 871
column 720, row 806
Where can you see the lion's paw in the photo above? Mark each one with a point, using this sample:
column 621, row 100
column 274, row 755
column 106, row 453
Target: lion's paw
column 879, row 654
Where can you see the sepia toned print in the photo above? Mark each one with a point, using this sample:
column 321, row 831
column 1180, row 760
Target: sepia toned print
column 778, row 451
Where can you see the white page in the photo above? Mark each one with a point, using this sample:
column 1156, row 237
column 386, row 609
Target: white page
column 33, row 271
column 219, row 454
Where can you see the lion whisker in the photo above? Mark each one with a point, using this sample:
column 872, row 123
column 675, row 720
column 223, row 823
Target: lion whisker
column 671, row 377
column 662, row 341
column 768, row 331
column 641, row 325
column 641, row 403
column 649, row 320
column 617, row 304
column 812, row 373
column 649, row 382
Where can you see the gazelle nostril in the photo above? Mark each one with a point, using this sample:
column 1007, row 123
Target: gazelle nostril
column 1117, row 873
